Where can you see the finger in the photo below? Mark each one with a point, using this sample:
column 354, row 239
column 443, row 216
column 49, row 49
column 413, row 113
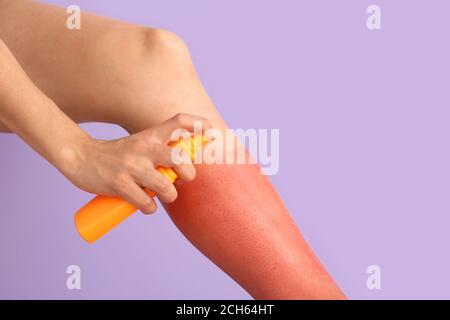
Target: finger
column 186, row 172
column 180, row 161
column 172, row 129
column 158, row 183
column 184, row 169
column 151, row 207
column 134, row 195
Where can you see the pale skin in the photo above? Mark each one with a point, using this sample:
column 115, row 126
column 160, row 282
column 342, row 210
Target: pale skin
column 143, row 80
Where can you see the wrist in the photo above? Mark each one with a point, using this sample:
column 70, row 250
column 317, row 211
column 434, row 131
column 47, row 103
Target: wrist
column 73, row 154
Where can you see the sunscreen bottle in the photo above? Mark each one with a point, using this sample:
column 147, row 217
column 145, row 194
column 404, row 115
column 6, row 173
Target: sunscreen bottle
column 103, row 213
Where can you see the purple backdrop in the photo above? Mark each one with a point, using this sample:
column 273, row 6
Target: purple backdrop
column 364, row 152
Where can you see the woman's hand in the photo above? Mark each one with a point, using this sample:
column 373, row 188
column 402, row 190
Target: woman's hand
column 122, row 167
column 117, row 168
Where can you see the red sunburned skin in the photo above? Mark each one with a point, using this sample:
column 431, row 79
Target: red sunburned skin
column 234, row 216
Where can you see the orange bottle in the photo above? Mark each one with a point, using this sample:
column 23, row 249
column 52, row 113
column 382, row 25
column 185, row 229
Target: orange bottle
column 103, row 213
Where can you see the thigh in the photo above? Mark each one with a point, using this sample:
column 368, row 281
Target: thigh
column 108, row 71
column 81, row 70
column 4, row 128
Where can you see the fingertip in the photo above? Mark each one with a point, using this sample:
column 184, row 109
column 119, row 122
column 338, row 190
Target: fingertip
column 169, row 196
column 206, row 123
column 186, row 172
column 191, row 176
column 149, row 206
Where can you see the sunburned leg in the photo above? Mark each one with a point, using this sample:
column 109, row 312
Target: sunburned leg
column 231, row 212
column 234, row 216
column 139, row 77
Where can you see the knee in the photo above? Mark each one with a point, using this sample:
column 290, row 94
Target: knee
column 164, row 42
column 148, row 56
column 164, row 49
column 159, row 64
column 159, row 79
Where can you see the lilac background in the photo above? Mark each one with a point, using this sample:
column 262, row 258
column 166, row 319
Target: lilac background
column 364, row 152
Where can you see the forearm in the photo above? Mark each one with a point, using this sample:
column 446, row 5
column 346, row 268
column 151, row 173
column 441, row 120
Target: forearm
column 29, row 113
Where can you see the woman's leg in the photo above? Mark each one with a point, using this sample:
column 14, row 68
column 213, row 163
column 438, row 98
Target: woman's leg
column 101, row 72
column 138, row 77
